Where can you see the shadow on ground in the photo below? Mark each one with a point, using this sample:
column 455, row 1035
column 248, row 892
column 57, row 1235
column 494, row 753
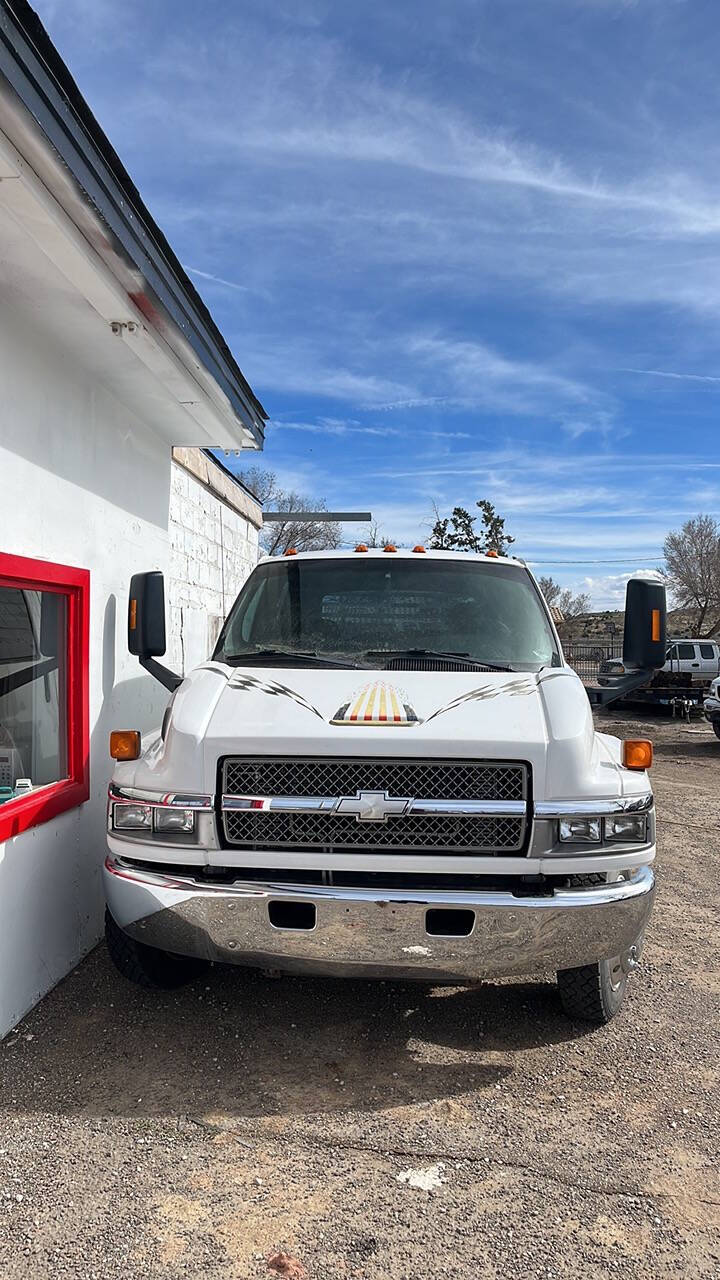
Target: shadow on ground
column 243, row 1044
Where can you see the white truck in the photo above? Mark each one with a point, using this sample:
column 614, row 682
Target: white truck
column 387, row 769
column 699, row 659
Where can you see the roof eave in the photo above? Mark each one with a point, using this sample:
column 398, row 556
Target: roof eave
column 129, row 241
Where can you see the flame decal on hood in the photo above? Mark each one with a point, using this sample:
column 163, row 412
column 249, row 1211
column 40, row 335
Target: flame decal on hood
column 380, row 704
column 241, row 681
column 514, row 688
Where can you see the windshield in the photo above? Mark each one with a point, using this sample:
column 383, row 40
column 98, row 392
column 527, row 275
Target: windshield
column 490, row 613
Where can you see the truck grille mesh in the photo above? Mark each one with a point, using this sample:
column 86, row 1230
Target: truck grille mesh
column 417, row 779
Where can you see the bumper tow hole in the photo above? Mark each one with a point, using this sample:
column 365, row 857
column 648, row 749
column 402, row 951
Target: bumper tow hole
column 447, row 923
column 292, row 915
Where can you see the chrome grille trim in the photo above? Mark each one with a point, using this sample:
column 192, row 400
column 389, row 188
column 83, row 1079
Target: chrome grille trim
column 158, row 799
column 405, row 805
column 331, row 804
column 594, row 808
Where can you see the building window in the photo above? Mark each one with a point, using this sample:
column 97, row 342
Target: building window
column 44, row 739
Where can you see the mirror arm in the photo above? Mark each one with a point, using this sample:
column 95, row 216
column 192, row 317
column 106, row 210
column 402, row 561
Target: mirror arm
column 603, row 695
column 166, row 677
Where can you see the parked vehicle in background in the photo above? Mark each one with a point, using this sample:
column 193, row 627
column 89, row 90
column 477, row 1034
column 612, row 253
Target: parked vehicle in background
column 700, row 659
column 387, row 769
column 681, row 683
column 711, row 706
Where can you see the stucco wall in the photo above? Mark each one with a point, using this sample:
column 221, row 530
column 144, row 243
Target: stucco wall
column 213, row 548
column 83, row 482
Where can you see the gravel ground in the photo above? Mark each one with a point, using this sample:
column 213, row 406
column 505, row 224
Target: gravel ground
column 203, row 1132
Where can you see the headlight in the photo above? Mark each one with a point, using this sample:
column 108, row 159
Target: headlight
column 132, row 817
column 580, row 830
column 147, row 817
column 180, row 821
column 627, row 826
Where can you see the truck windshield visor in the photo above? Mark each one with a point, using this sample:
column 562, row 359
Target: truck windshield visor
column 350, row 607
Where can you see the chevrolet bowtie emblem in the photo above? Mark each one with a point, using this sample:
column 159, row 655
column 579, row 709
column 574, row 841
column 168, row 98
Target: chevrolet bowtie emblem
column 373, row 806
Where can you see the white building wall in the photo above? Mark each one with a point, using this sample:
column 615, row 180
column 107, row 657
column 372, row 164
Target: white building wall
column 213, row 549
column 84, row 482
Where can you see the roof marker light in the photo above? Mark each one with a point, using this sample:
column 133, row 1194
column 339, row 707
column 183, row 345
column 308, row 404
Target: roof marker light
column 291, row 551
column 389, row 547
column 420, row 550
column 361, row 547
column 493, row 554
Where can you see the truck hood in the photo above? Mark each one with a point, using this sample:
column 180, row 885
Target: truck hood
column 544, row 719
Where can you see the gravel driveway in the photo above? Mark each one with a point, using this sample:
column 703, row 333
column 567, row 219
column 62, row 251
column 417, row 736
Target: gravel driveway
column 383, row 1131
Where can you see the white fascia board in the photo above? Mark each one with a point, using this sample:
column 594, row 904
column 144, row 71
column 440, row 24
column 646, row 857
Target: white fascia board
column 42, row 217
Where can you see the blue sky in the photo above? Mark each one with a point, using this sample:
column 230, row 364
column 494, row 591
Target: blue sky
column 461, row 250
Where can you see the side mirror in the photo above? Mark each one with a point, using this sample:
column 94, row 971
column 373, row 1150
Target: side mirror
column 644, row 641
column 146, row 615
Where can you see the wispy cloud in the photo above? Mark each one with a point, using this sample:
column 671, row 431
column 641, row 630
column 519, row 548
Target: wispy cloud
column 228, row 284
column 682, row 377
column 336, row 427
column 340, row 427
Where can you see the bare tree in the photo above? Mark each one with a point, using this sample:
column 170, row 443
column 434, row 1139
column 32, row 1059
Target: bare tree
column 562, row 598
column 692, row 566
column 303, row 535
column 374, row 537
column 263, row 483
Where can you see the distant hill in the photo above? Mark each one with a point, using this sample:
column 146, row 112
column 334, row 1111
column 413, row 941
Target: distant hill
column 592, row 626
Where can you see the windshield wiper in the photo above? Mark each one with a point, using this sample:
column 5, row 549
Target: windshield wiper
column 295, row 655
column 436, row 653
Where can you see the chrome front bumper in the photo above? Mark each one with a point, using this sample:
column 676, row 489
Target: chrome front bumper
column 375, row 933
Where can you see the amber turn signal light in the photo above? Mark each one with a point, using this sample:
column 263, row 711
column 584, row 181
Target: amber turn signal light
column 125, row 744
column 637, row 753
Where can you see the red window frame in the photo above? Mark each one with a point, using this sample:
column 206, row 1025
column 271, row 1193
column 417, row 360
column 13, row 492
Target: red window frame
column 47, row 802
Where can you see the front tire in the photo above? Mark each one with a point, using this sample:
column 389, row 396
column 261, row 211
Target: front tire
column 148, row 966
column 592, row 992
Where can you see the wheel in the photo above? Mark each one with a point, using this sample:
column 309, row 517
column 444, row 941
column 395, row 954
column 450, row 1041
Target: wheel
column 593, row 992
column 148, row 966
column 716, row 727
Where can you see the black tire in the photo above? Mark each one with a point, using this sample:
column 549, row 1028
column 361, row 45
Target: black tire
column 148, row 966
column 716, row 726
column 593, row 992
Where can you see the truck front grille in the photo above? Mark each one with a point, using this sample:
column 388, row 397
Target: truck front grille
column 338, row 833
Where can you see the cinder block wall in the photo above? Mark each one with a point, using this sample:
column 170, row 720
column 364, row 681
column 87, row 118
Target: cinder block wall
column 214, row 528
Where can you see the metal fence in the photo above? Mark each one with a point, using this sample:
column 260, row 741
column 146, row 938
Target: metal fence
column 586, row 655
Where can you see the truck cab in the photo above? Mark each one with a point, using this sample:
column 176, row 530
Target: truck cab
column 700, row 659
column 386, row 769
